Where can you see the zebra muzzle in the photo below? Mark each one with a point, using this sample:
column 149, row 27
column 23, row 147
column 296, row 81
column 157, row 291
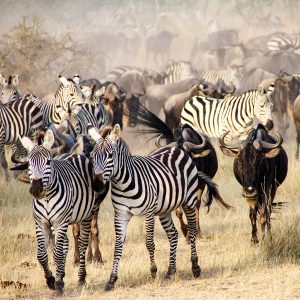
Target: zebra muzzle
column 36, row 189
column 98, row 183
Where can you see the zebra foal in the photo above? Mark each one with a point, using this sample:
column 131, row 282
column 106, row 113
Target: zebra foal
column 152, row 185
column 62, row 194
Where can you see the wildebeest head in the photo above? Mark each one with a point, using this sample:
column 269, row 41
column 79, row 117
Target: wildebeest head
column 249, row 157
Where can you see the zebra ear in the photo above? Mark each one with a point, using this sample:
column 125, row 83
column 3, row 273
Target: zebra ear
column 63, row 80
column 15, row 80
column 48, row 139
column 93, row 133
column 3, row 81
column 115, row 133
column 26, row 142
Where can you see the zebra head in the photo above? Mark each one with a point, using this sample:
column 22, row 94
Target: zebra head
column 103, row 154
column 39, row 158
column 9, row 91
column 263, row 106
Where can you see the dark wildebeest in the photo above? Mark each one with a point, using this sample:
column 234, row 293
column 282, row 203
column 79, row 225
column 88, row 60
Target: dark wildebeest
column 197, row 145
column 159, row 44
column 260, row 166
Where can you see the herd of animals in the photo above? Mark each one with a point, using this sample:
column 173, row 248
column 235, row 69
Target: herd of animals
column 70, row 142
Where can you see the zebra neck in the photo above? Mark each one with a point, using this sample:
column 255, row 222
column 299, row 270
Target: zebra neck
column 123, row 163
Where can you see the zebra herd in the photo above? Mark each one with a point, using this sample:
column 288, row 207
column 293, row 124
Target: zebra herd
column 70, row 175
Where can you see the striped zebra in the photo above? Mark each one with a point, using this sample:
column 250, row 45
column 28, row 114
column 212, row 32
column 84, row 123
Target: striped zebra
column 17, row 118
column 235, row 114
column 147, row 186
column 78, row 119
column 62, row 193
column 9, row 90
column 283, row 42
column 176, row 71
column 231, row 76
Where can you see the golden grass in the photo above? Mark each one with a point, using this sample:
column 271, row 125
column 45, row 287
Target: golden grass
column 231, row 267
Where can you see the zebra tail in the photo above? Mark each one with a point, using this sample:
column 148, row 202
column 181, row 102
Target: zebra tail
column 212, row 192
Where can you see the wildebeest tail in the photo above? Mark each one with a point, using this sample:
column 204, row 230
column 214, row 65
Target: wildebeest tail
column 153, row 124
column 212, row 192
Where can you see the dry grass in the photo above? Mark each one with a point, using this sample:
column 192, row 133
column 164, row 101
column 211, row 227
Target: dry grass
column 231, row 267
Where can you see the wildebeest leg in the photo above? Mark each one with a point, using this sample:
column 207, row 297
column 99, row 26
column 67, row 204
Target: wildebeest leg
column 76, row 232
column 183, row 226
column 168, row 225
column 252, row 215
column 264, row 219
column 95, row 238
column 298, row 142
column 149, row 223
column 191, row 219
column 89, row 256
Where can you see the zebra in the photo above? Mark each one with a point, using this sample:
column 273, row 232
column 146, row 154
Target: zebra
column 17, row 118
column 62, row 191
column 150, row 185
column 9, row 91
column 235, row 114
column 283, row 42
column 231, row 76
column 176, row 71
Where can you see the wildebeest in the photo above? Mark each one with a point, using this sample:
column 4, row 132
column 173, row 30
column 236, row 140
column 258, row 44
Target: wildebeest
column 296, row 115
column 260, row 166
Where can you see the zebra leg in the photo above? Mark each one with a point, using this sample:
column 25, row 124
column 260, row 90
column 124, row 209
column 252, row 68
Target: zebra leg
column 172, row 233
column 198, row 204
column 149, row 222
column 85, row 229
column 42, row 255
column 60, row 257
column 190, row 214
column 4, row 162
column 76, row 232
column 121, row 222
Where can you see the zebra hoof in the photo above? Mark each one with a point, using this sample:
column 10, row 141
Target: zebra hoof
column 50, row 282
column 81, row 281
column 170, row 274
column 109, row 287
column 196, row 271
column 153, row 272
column 59, row 292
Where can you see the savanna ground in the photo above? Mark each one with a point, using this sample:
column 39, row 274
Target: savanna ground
column 231, row 267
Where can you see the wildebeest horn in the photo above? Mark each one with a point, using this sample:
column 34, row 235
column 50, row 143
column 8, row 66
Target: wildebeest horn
column 57, row 150
column 277, row 137
column 157, row 144
column 223, row 144
column 19, row 161
column 188, row 146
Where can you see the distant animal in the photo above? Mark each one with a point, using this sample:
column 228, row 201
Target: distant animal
column 159, row 44
column 150, row 185
column 233, row 113
column 284, row 42
column 296, row 117
column 260, row 166
column 9, row 90
column 62, row 191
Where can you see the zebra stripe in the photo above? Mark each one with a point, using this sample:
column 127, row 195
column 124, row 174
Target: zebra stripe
column 234, row 114
column 17, row 118
column 147, row 185
column 230, row 76
column 177, row 71
column 62, row 194
column 284, row 42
